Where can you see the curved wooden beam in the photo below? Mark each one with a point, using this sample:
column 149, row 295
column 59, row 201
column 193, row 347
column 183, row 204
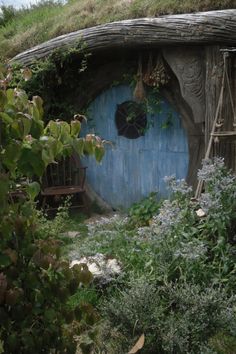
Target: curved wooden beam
column 197, row 28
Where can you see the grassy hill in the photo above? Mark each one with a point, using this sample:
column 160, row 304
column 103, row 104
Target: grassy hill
column 27, row 27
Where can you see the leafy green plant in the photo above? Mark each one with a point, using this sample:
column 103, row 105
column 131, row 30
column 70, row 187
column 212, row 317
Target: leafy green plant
column 142, row 212
column 35, row 282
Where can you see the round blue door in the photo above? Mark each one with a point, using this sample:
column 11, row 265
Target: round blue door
column 148, row 144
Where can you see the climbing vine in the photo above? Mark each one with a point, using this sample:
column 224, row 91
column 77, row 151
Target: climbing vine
column 54, row 78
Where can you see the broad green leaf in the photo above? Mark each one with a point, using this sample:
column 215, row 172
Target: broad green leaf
column 35, row 113
column 78, row 145
column 57, row 147
column 65, row 127
column 36, row 129
column 3, row 99
column 10, row 96
column 38, row 165
column 38, row 103
column 26, row 122
column 75, row 128
column 5, row 260
column 10, row 109
column 65, row 132
column 99, row 153
column 6, row 118
column 89, row 147
column 53, row 128
column 33, row 189
column 30, row 162
column 4, row 187
column 47, row 156
column 11, row 155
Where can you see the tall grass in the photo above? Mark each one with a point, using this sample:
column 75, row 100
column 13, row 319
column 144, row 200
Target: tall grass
column 38, row 23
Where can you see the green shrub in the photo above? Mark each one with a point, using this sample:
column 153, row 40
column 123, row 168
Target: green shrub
column 175, row 318
column 142, row 212
column 223, row 343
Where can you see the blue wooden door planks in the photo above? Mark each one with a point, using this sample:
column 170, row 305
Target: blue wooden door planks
column 135, row 167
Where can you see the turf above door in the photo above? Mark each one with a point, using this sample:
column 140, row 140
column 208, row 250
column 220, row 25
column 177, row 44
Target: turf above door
column 149, row 144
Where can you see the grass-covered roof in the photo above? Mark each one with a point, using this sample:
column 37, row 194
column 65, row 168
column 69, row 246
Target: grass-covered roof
column 28, row 27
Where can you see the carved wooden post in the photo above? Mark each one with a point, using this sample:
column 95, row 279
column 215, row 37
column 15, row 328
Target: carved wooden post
column 188, row 67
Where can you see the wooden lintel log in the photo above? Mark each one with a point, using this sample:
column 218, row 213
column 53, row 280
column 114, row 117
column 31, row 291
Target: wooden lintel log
column 217, row 27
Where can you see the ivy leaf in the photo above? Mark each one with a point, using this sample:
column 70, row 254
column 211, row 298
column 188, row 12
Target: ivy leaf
column 99, row 153
column 78, row 145
column 33, row 189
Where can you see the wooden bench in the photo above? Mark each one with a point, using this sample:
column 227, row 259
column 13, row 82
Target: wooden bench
column 64, row 178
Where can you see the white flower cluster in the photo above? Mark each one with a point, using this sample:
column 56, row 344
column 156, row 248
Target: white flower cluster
column 191, row 250
column 210, row 169
column 220, row 185
column 169, row 215
column 177, row 185
column 209, row 202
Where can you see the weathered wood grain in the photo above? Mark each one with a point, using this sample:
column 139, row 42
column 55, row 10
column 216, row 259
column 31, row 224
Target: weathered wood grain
column 214, row 71
column 188, row 66
column 197, row 28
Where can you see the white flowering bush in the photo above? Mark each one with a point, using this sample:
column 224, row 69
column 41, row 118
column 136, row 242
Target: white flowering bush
column 177, row 280
column 183, row 272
